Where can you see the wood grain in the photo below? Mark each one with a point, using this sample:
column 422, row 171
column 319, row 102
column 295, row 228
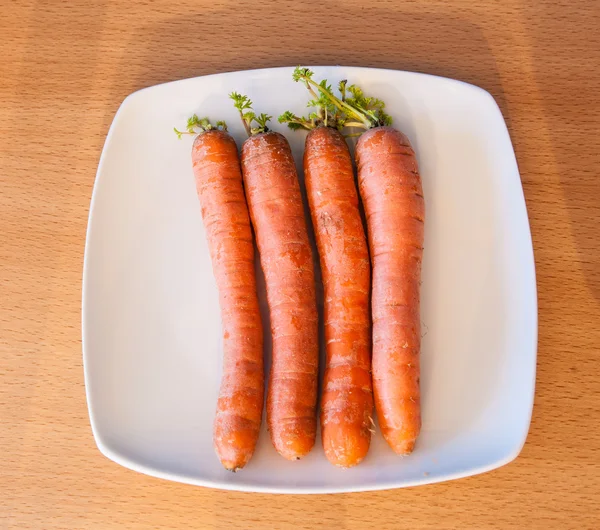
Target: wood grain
column 65, row 68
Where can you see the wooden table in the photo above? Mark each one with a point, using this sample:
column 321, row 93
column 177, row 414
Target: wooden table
column 65, row 68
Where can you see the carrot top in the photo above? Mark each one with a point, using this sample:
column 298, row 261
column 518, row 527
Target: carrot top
column 244, row 105
column 326, row 113
column 351, row 109
column 197, row 125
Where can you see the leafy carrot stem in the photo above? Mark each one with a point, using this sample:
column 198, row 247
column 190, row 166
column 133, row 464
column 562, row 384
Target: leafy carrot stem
column 326, row 113
column 197, row 125
column 244, row 106
column 295, row 122
column 351, row 109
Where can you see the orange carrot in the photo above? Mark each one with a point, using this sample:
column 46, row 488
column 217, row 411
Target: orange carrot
column 392, row 194
column 390, row 187
column 347, row 401
column 277, row 215
column 227, row 224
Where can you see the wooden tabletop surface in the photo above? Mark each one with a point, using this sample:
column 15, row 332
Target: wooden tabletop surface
column 64, row 70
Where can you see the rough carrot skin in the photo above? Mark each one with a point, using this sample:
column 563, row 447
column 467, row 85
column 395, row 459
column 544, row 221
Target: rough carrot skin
column 276, row 211
column 390, row 187
column 347, row 400
column 227, row 224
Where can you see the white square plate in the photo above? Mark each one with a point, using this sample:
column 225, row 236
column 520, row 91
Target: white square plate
column 151, row 325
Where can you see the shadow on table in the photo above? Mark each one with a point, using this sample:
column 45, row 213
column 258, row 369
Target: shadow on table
column 430, row 42
column 570, row 127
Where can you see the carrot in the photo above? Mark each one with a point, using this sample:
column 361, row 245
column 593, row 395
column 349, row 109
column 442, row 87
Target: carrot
column 225, row 214
column 392, row 195
column 347, row 401
column 277, row 215
column 390, row 187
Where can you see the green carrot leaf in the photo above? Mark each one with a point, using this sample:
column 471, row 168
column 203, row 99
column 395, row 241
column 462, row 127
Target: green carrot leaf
column 248, row 116
column 240, row 102
column 302, row 74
